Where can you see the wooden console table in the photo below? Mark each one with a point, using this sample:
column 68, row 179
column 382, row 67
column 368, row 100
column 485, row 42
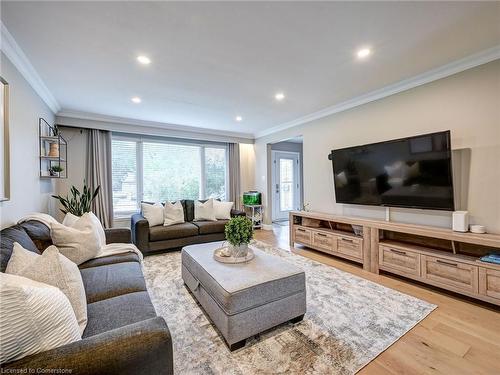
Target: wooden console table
column 436, row 256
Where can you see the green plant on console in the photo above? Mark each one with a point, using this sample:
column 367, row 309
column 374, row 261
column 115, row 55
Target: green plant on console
column 239, row 230
column 78, row 203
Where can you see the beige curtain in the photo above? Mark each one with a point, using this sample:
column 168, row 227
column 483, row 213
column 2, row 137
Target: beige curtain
column 98, row 173
column 234, row 175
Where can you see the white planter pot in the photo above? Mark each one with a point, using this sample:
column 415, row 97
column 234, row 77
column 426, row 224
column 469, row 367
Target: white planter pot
column 239, row 251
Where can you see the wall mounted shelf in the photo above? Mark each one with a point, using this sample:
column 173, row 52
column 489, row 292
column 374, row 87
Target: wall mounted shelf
column 53, row 150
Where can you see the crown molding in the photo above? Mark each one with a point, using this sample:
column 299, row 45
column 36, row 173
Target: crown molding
column 455, row 67
column 16, row 55
column 136, row 126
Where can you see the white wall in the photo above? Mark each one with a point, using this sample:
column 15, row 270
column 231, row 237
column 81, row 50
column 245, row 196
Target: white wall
column 467, row 103
column 28, row 193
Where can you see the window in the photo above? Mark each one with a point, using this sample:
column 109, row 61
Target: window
column 156, row 171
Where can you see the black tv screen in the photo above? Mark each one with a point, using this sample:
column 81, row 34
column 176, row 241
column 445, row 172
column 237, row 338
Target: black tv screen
column 411, row 172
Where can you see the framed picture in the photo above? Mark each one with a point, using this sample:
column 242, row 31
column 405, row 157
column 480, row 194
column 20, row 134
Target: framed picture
column 4, row 141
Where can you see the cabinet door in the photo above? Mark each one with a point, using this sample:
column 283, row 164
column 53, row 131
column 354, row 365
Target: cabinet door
column 351, row 247
column 302, row 235
column 489, row 282
column 324, row 241
column 399, row 261
column 450, row 274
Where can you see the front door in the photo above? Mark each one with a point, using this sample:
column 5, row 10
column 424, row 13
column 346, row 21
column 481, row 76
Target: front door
column 286, row 185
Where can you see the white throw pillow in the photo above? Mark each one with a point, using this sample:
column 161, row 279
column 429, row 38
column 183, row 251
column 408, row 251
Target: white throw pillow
column 70, row 219
column 174, row 213
column 204, row 211
column 222, row 210
column 78, row 243
column 54, row 269
column 153, row 213
column 73, row 221
column 35, row 317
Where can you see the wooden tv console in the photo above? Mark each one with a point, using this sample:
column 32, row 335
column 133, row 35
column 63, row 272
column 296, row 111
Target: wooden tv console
column 436, row 256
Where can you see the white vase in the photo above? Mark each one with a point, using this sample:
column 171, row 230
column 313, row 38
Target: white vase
column 240, row 251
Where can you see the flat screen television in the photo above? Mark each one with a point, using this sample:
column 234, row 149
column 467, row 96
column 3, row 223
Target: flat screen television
column 414, row 172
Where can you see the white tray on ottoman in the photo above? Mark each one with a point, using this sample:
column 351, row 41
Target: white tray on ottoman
column 244, row 299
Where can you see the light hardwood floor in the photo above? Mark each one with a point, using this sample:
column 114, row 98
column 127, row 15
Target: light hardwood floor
column 461, row 336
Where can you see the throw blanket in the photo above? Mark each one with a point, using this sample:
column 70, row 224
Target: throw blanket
column 106, row 250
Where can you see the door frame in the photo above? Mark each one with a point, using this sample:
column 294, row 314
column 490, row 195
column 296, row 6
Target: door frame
column 274, row 180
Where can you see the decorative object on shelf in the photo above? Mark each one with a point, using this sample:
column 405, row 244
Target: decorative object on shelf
column 239, row 233
column 255, row 213
column 221, row 255
column 491, row 258
column 305, row 207
column 53, row 150
column 460, row 221
column 357, row 229
column 479, row 229
column 4, row 141
column 55, row 170
column 78, row 203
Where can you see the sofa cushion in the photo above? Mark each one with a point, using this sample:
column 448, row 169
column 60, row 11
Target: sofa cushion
column 8, row 236
column 160, row 232
column 117, row 312
column 111, row 259
column 207, row 227
column 112, row 280
column 39, row 233
column 188, row 209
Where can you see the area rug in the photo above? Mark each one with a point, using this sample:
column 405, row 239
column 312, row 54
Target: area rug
column 349, row 321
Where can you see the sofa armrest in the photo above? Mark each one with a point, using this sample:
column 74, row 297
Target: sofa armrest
column 118, row 235
column 140, row 232
column 235, row 213
column 140, row 348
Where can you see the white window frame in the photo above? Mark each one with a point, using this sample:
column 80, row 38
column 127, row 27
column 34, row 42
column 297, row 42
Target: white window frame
column 139, row 140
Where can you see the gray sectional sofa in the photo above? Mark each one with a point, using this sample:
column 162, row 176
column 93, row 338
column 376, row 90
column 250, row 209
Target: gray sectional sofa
column 157, row 238
column 123, row 334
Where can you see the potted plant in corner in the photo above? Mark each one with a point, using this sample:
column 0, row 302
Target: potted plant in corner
column 78, row 202
column 239, row 233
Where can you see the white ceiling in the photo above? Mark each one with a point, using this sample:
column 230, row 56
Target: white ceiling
column 213, row 61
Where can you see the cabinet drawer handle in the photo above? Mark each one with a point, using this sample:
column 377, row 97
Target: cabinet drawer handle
column 447, row 263
column 321, row 234
column 398, row 252
column 301, row 230
column 347, row 240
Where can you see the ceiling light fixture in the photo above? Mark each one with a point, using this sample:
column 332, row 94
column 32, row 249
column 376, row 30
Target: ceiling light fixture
column 136, row 100
column 279, row 96
column 238, row 118
column 144, row 60
column 363, row 53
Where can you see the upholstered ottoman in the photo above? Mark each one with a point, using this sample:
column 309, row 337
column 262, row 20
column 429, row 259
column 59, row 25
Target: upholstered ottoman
column 244, row 299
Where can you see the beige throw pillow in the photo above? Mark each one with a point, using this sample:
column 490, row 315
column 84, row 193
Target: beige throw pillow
column 35, row 317
column 153, row 213
column 222, row 210
column 54, row 269
column 204, row 211
column 80, row 242
column 173, row 213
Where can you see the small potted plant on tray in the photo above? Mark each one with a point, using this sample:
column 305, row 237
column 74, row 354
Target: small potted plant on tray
column 55, row 170
column 239, row 233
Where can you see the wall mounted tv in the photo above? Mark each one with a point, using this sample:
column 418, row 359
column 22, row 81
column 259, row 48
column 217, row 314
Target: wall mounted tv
column 412, row 172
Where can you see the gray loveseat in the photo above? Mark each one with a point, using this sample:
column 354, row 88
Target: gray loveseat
column 123, row 334
column 157, row 238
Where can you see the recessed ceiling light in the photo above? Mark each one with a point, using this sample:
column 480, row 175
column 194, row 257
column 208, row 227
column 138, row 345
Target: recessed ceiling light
column 136, row 100
column 238, row 118
column 279, row 96
column 144, row 60
column 363, row 53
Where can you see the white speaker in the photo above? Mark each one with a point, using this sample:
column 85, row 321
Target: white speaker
column 461, row 221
